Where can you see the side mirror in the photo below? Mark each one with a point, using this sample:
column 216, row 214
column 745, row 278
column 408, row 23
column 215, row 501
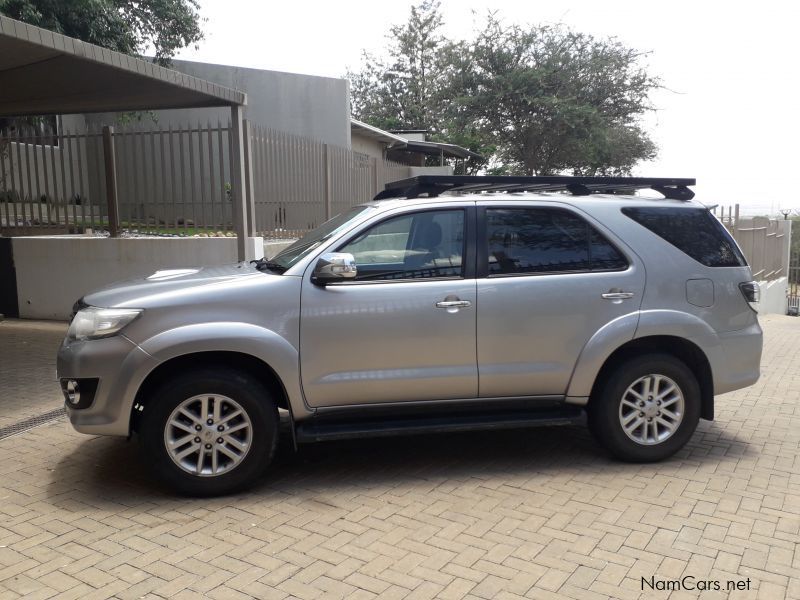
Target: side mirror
column 333, row 267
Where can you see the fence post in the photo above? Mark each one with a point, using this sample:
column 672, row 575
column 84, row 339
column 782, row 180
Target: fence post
column 109, row 158
column 248, row 169
column 328, row 181
column 375, row 176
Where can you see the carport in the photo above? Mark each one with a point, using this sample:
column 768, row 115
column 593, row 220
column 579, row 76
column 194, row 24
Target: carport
column 44, row 73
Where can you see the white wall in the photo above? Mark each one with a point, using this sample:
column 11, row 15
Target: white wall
column 54, row 271
column 773, row 296
column 442, row 170
column 366, row 145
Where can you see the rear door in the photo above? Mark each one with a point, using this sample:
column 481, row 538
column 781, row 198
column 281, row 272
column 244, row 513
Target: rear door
column 548, row 279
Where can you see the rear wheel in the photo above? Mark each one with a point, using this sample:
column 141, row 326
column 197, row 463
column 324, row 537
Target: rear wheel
column 647, row 409
column 210, row 432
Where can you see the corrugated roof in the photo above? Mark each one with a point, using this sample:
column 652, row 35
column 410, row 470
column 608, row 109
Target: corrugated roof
column 397, row 142
column 436, row 148
column 375, row 133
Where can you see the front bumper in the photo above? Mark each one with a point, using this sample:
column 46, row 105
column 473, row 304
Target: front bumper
column 119, row 366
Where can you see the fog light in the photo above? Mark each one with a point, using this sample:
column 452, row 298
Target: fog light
column 79, row 393
column 73, row 392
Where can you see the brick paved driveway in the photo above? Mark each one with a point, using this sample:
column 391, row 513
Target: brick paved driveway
column 27, row 355
column 537, row 514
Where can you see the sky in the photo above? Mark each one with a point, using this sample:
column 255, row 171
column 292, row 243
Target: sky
column 728, row 113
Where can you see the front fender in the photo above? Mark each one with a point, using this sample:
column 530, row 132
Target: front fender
column 261, row 343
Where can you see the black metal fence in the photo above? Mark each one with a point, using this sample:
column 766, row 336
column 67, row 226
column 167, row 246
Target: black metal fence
column 178, row 180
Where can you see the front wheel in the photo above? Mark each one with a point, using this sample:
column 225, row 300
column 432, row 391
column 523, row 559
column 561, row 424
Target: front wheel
column 647, row 409
column 209, row 432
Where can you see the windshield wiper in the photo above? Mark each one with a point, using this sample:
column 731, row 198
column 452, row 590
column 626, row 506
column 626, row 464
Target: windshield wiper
column 262, row 264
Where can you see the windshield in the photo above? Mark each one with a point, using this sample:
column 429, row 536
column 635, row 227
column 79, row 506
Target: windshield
column 291, row 255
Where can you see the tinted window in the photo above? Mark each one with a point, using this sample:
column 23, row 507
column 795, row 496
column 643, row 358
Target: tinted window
column 415, row 246
column 542, row 240
column 695, row 231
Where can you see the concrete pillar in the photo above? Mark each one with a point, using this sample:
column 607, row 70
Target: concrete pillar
column 240, row 184
column 248, row 171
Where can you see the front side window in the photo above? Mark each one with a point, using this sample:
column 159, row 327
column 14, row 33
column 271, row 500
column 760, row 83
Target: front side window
column 418, row 245
column 546, row 240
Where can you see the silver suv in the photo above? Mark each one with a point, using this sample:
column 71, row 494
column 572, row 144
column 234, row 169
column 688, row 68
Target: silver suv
column 448, row 303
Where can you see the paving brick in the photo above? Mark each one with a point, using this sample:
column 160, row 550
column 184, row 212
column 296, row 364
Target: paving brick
column 528, row 514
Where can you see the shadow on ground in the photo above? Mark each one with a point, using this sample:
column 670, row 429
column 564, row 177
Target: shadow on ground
column 112, row 470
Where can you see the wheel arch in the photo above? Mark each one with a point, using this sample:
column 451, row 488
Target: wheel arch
column 248, row 363
column 685, row 350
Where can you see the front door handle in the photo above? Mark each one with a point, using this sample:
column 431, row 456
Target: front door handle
column 614, row 295
column 453, row 304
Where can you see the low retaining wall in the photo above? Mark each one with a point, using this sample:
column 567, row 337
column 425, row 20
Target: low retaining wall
column 42, row 276
column 52, row 272
column 774, row 296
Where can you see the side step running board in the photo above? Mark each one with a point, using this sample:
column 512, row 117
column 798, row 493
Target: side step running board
column 317, row 430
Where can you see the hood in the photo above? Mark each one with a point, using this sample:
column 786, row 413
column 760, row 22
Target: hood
column 159, row 286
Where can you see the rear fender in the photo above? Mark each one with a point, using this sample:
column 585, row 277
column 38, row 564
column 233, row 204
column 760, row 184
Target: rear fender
column 646, row 323
column 599, row 347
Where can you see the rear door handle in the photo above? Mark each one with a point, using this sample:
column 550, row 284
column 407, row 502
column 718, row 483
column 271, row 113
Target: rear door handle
column 453, row 304
column 617, row 295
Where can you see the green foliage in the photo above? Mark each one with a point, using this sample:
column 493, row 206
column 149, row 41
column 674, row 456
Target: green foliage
column 410, row 88
column 403, row 90
column 533, row 100
column 129, row 26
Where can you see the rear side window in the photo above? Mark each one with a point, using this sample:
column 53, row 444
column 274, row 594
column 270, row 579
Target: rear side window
column 546, row 240
column 694, row 231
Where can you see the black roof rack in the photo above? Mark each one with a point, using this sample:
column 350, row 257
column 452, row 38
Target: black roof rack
column 433, row 185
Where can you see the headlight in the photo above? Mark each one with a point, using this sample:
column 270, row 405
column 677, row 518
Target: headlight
column 92, row 323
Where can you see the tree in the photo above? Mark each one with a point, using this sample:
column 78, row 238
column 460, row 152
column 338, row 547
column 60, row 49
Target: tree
column 411, row 87
column 534, row 100
column 556, row 100
column 403, row 91
column 127, row 26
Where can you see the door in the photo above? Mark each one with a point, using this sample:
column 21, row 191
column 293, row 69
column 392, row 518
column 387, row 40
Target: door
column 404, row 329
column 548, row 281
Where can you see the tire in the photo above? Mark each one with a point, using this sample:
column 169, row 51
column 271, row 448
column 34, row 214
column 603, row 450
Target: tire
column 242, row 441
column 622, row 398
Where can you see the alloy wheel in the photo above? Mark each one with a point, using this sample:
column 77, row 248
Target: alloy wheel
column 208, row 435
column 651, row 409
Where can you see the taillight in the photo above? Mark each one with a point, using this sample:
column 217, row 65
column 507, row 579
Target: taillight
column 752, row 293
